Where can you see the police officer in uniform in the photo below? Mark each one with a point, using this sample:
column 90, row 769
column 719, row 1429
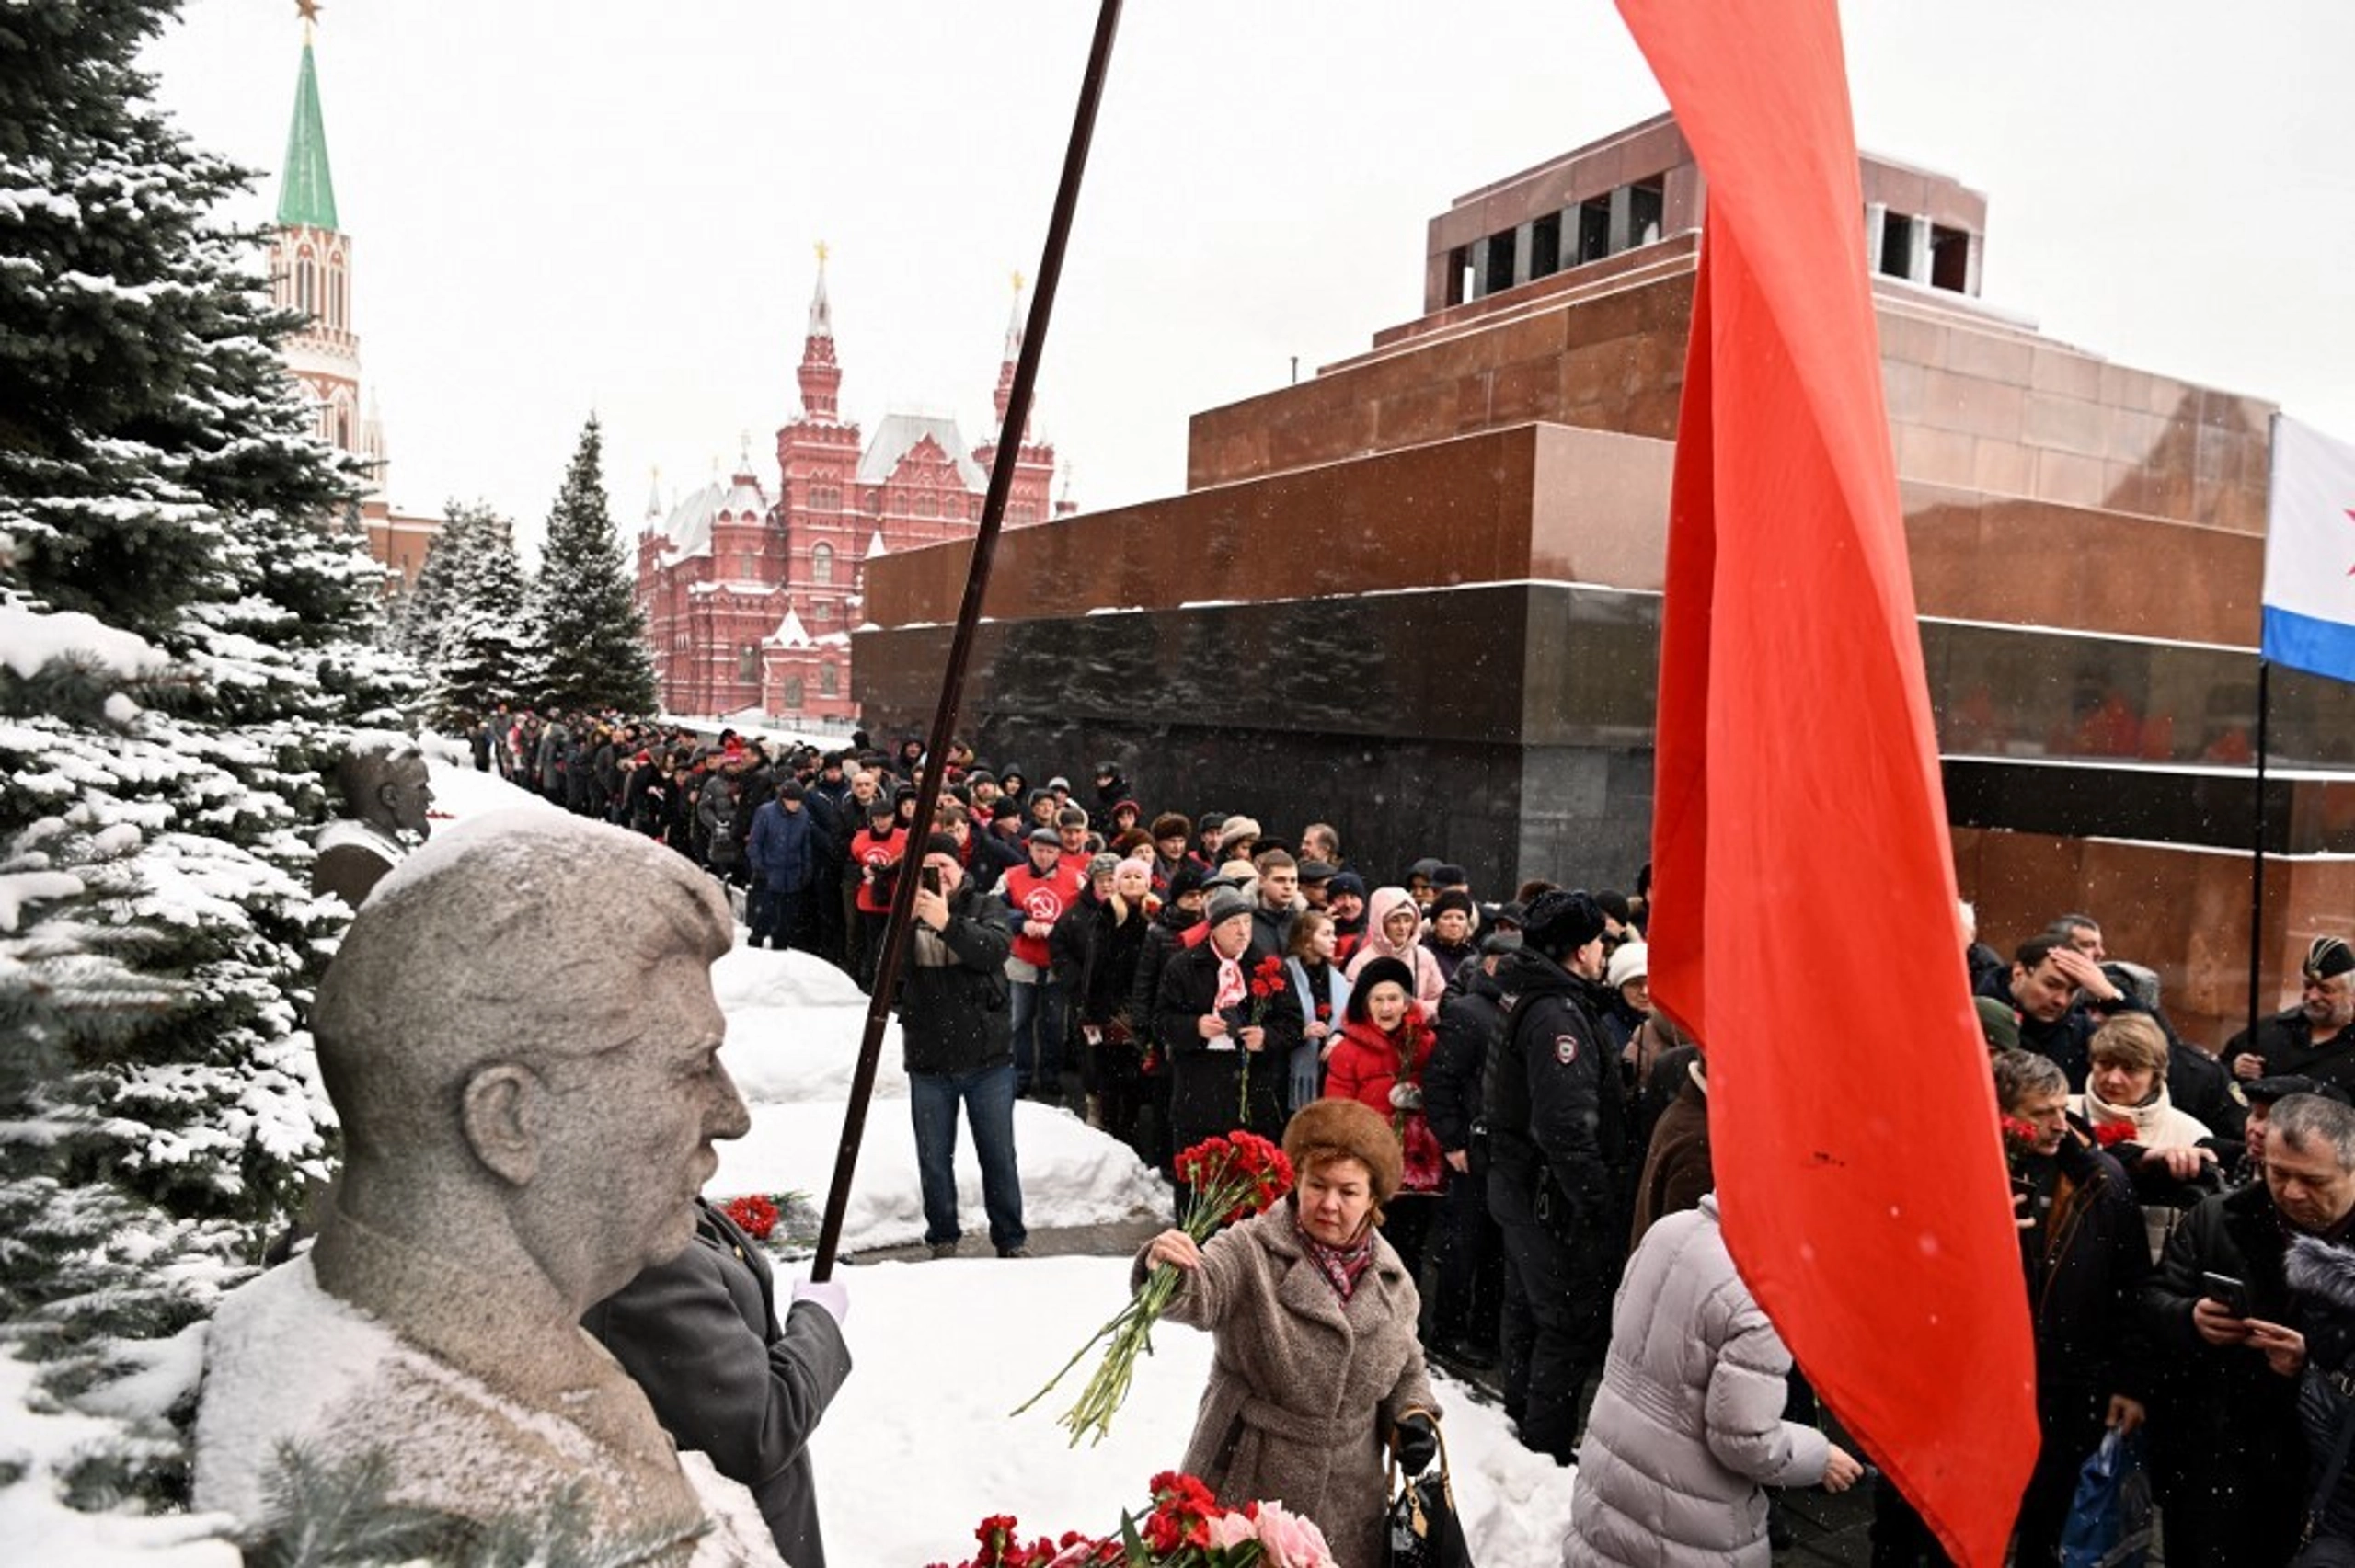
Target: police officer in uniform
column 1557, row 1122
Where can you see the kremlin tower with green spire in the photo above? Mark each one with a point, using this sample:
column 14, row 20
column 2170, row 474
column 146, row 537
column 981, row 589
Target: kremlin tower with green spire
column 311, row 273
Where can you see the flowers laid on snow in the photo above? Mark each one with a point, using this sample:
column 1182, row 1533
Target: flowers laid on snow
column 1233, row 1177
column 759, row 1214
column 754, row 1213
column 1185, row 1529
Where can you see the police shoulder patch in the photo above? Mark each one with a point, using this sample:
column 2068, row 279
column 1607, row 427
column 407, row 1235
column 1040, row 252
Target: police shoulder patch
column 1565, row 1048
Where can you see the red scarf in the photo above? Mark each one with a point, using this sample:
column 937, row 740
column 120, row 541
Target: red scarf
column 1341, row 1266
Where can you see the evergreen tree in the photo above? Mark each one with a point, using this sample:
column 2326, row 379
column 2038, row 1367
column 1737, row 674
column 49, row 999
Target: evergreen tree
column 583, row 613
column 185, row 619
column 483, row 647
column 418, row 616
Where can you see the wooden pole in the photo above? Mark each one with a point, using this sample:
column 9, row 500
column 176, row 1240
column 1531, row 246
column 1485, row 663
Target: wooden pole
column 961, row 647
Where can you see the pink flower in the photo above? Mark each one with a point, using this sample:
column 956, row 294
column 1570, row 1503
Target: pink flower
column 1230, row 1530
column 1292, row 1540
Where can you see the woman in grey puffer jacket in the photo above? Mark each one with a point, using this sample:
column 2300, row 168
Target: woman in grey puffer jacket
column 1689, row 1425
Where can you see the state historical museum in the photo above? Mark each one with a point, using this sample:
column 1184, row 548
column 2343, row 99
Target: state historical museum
column 750, row 601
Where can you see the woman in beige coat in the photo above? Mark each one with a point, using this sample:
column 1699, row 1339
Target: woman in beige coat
column 1312, row 1315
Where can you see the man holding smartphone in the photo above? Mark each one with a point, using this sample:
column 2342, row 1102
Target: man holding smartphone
column 955, row 1030
column 2230, row 1455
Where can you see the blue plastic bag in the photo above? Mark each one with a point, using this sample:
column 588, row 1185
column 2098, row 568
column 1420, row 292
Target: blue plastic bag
column 2109, row 1521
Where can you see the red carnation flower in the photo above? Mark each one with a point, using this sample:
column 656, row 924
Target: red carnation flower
column 2107, row 1134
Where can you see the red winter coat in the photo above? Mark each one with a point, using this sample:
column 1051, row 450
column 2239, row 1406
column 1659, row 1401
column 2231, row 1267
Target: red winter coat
column 1365, row 1066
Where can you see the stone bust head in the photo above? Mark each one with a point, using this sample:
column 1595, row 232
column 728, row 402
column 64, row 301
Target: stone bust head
column 521, row 1038
column 521, row 1014
column 384, row 783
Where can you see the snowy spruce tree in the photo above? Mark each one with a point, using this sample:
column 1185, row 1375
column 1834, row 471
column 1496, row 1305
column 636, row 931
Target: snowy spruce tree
column 583, row 614
column 481, row 649
column 185, row 625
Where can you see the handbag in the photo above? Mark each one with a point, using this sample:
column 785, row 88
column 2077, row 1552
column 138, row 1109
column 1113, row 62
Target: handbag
column 2109, row 1520
column 1424, row 1531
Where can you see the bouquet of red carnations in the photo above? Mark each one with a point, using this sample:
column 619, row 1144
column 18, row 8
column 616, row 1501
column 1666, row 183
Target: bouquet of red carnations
column 758, row 1214
column 1267, row 983
column 1185, row 1529
column 1233, row 1177
column 755, row 1214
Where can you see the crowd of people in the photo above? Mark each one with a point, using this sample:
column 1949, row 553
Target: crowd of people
column 2184, row 1211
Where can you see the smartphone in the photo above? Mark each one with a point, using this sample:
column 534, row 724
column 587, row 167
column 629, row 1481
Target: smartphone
column 931, row 879
column 2226, row 1292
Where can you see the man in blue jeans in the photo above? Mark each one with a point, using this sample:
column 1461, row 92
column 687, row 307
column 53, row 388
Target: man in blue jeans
column 955, row 1030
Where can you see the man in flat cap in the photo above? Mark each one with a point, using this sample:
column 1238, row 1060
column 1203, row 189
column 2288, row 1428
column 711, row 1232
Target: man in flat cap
column 2312, row 1038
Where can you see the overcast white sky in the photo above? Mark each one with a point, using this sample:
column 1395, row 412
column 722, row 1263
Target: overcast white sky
column 564, row 205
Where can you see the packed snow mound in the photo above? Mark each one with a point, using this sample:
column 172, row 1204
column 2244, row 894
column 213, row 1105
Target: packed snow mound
column 764, row 976
column 460, row 792
column 1072, row 1174
column 794, row 1026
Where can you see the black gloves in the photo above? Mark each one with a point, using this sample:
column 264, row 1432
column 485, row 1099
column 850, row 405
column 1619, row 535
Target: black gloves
column 1417, row 1440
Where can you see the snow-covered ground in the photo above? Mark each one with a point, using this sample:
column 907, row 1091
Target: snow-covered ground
column 921, row 1445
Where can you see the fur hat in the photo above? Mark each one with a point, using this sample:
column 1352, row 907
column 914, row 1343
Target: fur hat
column 1376, row 971
column 1346, row 1130
column 1236, row 827
column 2318, row 1269
column 1187, row 878
column 1172, row 825
column 1071, row 817
column 1224, row 905
column 1627, row 964
column 1102, row 865
column 1562, row 922
column 1454, row 898
column 2327, row 955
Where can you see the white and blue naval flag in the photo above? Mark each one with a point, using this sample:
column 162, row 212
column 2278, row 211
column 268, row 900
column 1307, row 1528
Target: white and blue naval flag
column 2310, row 552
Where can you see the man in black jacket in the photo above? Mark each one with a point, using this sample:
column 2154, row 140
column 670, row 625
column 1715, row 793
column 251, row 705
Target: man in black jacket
column 1557, row 1125
column 2317, row 1037
column 2231, row 1463
column 1471, row 1257
column 959, row 1046
column 700, row 1336
column 2055, row 987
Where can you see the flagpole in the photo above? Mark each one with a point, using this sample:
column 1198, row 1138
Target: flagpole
column 2257, row 852
column 960, row 646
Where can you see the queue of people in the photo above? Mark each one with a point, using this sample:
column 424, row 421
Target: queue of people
column 1542, row 1145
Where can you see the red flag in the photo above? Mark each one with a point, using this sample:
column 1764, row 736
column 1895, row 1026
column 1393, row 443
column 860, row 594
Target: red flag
column 1799, row 839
